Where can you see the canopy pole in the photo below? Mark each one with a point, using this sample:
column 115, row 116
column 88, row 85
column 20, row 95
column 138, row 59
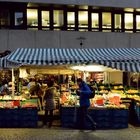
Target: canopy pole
column 13, row 85
column 75, row 76
column 109, row 80
column 138, row 81
column 84, row 76
column 59, row 77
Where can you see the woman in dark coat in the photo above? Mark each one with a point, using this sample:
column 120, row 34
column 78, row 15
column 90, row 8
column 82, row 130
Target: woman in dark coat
column 49, row 103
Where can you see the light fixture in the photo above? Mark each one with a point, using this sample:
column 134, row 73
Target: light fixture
column 92, row 68
column 81, row 39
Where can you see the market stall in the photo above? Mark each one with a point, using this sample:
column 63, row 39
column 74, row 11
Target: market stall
column 122, row 58
column 106, row 109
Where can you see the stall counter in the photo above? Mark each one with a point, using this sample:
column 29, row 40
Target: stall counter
column 18, row 114
column 106, row 118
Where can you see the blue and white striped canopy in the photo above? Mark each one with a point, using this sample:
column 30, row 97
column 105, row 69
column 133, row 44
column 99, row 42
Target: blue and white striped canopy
column 115, row 54
column 47, row 56
column 126, row 59
column 5, row 63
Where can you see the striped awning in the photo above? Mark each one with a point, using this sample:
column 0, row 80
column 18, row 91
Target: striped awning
column 114, row 54
column 1, row 63
column 5, row 63
column 48, row 56
column 126, row 59
column 124, row 66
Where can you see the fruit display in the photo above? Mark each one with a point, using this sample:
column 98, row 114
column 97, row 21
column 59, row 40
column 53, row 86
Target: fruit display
column 63, row 87
column 5, row 104
column 118, row 87
column 132, row 91
column 112, row 100
column 103, row 91
column 32, row 103
column 117, row 91
column 122, row 106
column 68, row 99
column 105, row 96
column 7, row 101
column 74, row 86
column 125, row 92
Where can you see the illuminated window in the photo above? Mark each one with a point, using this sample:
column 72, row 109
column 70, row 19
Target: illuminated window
column 118, row 21
column 18, row 18
column 128, row 21
column 95, row 20
column 45, row 18
column 58, row 18
column 32, row 17
column 83, row 19
column 137, row 21
column 106, row 20
column 71, row 19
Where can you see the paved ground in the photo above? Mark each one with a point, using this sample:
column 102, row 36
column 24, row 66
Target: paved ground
column 58, row 133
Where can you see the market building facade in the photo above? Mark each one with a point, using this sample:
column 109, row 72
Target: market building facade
column 97, row 24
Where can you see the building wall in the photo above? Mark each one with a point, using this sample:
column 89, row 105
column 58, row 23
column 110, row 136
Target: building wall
column 108, row 3
column 12, row 39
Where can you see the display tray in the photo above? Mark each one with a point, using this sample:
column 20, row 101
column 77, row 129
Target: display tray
column 105, row 118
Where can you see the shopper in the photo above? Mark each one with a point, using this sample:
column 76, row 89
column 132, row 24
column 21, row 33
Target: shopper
column 39, row 93
column 84, row 92
column 49, row 103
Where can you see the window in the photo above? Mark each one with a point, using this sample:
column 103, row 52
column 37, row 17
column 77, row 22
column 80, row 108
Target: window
column 45, row 18
column 58, row 18
column 71, row 19
column 4, row 18
column 138, row 22
column 83, row 19
column 18, row 18
column 117, row 22
column 128, row 21
column 95, row 20
column 32, row 17
column 77, row 18
column 106, row 21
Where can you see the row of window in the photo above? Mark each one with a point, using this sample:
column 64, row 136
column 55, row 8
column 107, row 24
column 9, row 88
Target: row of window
column 65, row 19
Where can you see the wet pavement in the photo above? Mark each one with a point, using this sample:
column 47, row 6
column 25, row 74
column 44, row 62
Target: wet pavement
column 58, row 133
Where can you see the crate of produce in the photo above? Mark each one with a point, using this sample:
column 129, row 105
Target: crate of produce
column 30, row 103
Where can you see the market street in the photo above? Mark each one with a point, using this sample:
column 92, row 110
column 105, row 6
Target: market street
column 58, row 133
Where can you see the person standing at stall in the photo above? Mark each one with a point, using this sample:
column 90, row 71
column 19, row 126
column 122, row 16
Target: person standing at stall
column 84, row 92
column 49, row 103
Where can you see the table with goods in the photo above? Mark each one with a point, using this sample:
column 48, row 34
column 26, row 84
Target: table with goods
column 18, row 112
column 110, row 108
